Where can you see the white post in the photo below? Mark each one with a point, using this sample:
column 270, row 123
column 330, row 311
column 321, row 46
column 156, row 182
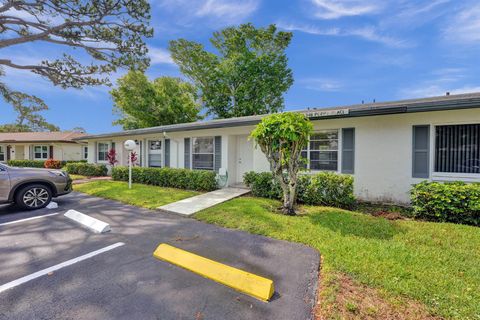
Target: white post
column 130, row 170
column 130, row 146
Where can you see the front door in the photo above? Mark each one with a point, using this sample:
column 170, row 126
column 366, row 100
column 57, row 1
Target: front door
column 244, row 157
column 4, row 183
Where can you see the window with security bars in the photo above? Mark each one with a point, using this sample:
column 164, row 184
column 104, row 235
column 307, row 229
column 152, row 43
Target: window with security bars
column 457, row 148
column 322, row 151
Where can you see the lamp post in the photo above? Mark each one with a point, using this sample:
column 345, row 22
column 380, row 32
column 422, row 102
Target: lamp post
column 130, row 145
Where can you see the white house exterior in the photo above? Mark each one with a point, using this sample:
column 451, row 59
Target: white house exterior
column 42, row 146
column 387, row 147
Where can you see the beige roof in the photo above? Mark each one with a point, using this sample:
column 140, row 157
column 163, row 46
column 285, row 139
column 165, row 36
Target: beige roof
column 66, row 136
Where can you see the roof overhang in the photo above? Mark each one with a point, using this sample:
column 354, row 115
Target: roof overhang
column 467, row 101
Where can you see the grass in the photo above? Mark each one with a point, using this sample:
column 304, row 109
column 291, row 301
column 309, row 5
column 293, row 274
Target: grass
column 434, row 263
column 141, row 195
column 77, row 177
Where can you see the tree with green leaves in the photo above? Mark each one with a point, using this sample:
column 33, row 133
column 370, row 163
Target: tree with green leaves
column 248, row 75
column 142, row 103
column 27, row 108
column 282, row 137
column 107, row 35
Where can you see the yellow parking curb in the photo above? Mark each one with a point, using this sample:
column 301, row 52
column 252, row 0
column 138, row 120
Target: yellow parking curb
column 251, row 284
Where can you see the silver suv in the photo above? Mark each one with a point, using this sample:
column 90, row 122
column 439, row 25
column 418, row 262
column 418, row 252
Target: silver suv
column 32, row 188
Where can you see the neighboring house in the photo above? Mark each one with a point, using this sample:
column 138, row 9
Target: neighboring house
column 387, row 147
column 42, row 146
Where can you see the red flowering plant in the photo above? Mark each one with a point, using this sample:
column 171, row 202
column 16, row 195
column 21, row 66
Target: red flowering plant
column 133, row 158
column 112, row 157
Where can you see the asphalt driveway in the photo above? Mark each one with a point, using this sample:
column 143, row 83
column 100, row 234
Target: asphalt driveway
column 127, row 282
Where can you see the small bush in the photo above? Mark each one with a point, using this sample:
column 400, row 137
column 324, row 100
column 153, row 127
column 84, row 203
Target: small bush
column 53, row 164
column 325, row 188
column 199, row 180
column 455, row 202
column 86, row 169
column 38, row 163
column 27, row 163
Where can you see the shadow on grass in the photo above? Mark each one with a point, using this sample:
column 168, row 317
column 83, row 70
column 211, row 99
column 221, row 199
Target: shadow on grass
column 350, row 224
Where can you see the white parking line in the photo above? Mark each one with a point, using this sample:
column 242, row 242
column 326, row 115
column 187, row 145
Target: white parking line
column 32, row 218
column 67, row 263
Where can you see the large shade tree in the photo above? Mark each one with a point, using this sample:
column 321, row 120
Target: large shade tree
column 142, row 103
column 107, row 34
column 282, row 137
column 247, row 75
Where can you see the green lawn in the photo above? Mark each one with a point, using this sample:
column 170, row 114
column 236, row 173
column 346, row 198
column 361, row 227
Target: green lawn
column 141, row 195
column 77, row 177
column 437, row 264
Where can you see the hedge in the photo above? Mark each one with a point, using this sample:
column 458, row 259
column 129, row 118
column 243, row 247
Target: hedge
column 324, row 188
column 199, row 180
column 37, row 163
column 86, row 169
column 456, row 202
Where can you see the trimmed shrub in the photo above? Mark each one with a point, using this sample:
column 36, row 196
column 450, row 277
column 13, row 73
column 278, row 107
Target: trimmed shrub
column 53, row 164
column 456, row 202
column 324, row 188
column 263, row 185
column 199, row 180
column 38, row 163
column 86, row 169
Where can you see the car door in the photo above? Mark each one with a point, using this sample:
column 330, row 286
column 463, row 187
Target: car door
column 4, row 184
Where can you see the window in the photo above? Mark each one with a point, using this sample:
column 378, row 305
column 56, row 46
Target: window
column 155, row 153
column 85, row 152
column 203, row 153
column 40, row 152
column 102, row 151
column 2, row 153
column 457, row 148
column 322, row 151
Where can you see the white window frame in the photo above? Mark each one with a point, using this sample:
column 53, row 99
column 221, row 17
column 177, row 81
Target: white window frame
column 192, row 153
column 147, row 155
column 41, row 152
column 339, row 153
column 448, row 176
column 85, row 152
column 3, row 151
column 98, row 151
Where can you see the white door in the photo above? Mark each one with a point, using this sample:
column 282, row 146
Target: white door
column 244, row 157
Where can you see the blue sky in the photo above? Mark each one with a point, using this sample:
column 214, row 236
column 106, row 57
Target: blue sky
column 342, row 52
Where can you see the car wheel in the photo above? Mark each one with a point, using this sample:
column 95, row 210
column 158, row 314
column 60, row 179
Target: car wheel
column 34, row 196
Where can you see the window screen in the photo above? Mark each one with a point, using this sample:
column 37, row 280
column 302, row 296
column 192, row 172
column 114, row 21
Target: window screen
column 457, row 148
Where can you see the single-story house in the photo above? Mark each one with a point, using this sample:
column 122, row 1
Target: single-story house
column 42, row 146
column 386, row 146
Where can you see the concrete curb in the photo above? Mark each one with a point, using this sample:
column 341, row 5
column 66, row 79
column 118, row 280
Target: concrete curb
column 93, row 224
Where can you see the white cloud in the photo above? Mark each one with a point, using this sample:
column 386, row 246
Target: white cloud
column 366, row 33
column 435, row 90
column 309, row 29
column 334, row 9
column 227, row 9
column 465, row 26
column 441, row 81
column 159, row 56
column 322, row 84
column 215, row 11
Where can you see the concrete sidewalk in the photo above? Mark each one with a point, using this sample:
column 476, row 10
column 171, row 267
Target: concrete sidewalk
column 192, row 205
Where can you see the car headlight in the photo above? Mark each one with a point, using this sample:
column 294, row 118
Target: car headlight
column 59, row 173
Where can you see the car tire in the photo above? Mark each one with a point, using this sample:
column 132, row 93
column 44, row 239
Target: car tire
column 33, row 196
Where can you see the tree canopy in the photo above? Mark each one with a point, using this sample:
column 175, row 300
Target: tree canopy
column 143, row 103
column 27, row 108
column 107, row 35
column 248, row 75
column 281, row 138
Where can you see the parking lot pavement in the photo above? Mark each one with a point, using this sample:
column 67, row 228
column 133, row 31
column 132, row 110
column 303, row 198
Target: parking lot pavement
column 127, row 282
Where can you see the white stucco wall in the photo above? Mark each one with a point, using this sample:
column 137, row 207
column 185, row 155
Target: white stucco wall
column 383, row 150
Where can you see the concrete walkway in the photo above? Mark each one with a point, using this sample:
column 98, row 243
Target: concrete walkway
column 192, row 205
